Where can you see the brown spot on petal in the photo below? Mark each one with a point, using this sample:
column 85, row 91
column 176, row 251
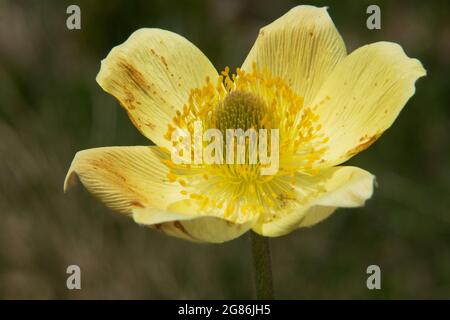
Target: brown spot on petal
column 179, row 226
column 128, row 100
column 284, row 199
column 134, row 121
column 164, row 62
column 229, row 223
column 135, row 75
column 365, row 142
column 137, row 204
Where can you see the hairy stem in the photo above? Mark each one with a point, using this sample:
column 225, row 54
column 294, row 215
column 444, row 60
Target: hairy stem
column 262, row 269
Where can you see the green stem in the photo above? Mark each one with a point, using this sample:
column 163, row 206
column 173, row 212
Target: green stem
column 262, row 269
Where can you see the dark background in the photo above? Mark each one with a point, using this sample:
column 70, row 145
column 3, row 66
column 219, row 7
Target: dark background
column 51, row 107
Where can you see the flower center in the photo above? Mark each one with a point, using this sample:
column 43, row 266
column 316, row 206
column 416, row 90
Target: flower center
column 248, row 100
column 240, row 110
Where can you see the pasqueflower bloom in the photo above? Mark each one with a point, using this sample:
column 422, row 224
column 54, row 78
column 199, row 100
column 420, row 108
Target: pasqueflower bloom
column 328, row 106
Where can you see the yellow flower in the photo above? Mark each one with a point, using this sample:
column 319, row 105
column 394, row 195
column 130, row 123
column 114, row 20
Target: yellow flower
column 298, row 78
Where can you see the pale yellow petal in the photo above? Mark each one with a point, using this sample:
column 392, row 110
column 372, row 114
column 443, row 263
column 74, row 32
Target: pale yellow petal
column 302, row 47
column 152, row 74
column 317, row 198
column 133, row 180
column 185, row 220
column 125, row 178
column 363, row 96
column 315, row 215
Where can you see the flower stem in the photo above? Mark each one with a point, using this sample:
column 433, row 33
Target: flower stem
column 262, row 269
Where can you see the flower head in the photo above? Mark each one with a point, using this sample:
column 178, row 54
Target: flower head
column 326, row 105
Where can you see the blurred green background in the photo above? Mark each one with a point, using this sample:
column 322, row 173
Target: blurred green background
column 51, row 107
